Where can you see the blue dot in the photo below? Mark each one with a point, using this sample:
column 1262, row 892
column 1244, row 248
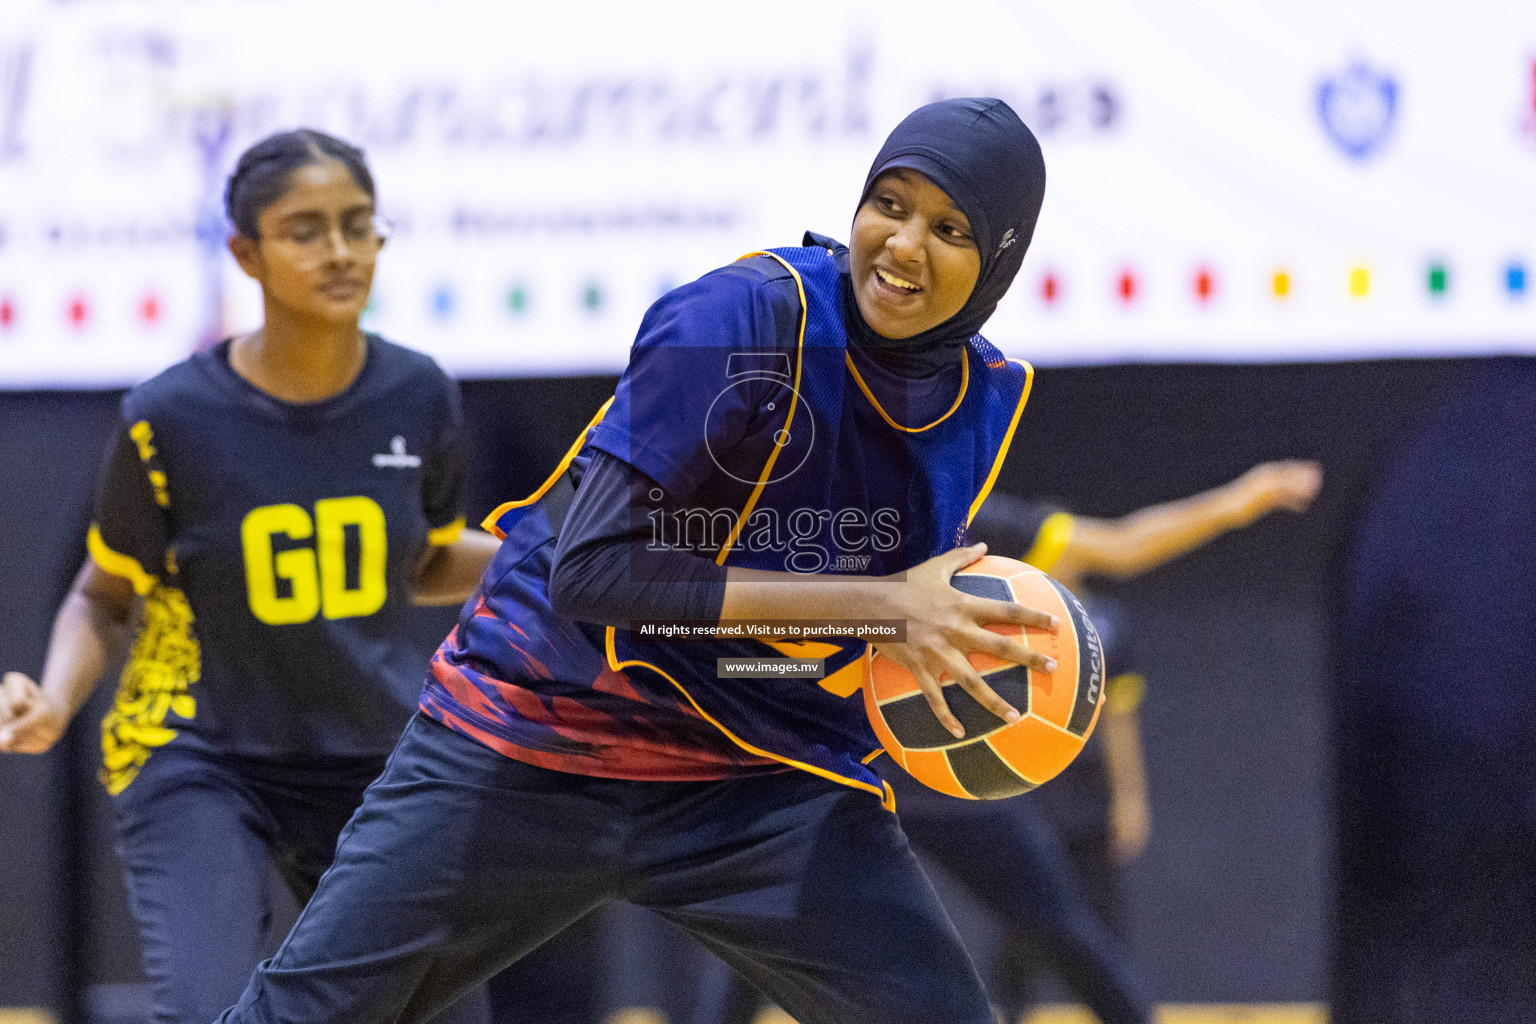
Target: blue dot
column 1514, row 278
column 442, row 302
column 663, row 286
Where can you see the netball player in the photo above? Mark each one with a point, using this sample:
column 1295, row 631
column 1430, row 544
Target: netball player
column 562, row 760
column 274, row 506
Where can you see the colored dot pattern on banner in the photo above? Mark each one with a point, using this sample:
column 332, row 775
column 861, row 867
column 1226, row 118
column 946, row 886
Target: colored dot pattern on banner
column 1438, row 280
column 442, row 302
column 1205, row 285
column 1126, row 287
column 1050, row 288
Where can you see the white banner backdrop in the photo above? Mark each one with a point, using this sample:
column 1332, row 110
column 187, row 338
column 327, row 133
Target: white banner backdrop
column 1227, row 181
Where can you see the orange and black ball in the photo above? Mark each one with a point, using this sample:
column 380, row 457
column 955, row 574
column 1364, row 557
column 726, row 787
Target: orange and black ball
column 1058, row 709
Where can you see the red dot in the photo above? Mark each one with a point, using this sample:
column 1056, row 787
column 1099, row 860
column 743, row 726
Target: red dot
column 1126, row 286
column 149, row 308
column 1050, row 288
column 79, row 311
column 1205, row 285
column 7, row 313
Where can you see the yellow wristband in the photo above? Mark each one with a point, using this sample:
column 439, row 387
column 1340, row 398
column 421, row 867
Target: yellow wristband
column 1123, row 693
column 446, row 534
column 1050, row 541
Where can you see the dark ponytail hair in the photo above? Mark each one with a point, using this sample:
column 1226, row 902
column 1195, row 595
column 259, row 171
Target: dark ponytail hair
column 261, row 176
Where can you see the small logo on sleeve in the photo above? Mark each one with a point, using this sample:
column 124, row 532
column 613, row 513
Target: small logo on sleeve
column 396, row 457
column 1008, row 239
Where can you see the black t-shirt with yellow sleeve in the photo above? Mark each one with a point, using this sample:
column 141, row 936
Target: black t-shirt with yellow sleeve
column 274, row 545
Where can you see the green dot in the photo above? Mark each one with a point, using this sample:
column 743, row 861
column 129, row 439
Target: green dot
column 592, row 297
column 517, row 299
column 1439, row 279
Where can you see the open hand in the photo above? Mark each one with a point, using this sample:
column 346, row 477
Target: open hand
column 1291, row 484
column 30, row 721
column 945, row 624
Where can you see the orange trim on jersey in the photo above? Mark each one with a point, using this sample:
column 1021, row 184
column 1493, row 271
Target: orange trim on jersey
column 489, row 523
column 845, row 682
column 884, row 792
column 1002, row 451
column 794, row 403
column 117, row 563
column 965, row 383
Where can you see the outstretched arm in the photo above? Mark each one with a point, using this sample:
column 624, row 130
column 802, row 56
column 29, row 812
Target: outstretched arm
column 1149, row 537
column 88, row 633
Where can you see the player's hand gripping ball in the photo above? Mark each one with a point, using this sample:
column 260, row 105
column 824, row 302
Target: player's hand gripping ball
column 1058, row 709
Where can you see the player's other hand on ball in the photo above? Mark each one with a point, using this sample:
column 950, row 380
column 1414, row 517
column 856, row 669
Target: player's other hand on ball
column 1291, row 484
column 945, row 624
column 30, row 721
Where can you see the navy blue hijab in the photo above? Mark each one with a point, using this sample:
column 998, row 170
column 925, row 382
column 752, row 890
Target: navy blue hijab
column 986, row 160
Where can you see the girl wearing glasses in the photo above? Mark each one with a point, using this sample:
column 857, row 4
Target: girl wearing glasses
column 270, row 508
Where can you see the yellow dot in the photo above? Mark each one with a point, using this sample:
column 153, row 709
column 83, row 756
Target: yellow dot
column 1281, row 284
column 1359, row 281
